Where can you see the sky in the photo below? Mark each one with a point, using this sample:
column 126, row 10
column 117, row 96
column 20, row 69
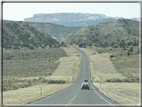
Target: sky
column 19, row 11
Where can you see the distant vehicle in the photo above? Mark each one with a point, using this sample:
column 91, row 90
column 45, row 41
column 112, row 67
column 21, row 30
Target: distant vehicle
column 85, row 81
column 85, row 85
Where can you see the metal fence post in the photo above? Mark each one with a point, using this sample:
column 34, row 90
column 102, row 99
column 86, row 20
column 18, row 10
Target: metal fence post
column 61, row 84
column 40, row 91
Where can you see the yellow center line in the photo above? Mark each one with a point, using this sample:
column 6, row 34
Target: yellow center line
column 84, row 65
column 70, row 101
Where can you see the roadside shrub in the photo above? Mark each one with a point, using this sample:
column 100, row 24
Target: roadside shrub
column 130, row 80
column 21, row 86
column 31, row 47
column 111, row 56
column 84, row 46
column 114, row 80
column 137, row 79
column 124, row 48
column 4, row 89
column 89, row 44
column 40, row 78
column 138, row 52
column 9, row 57
column 128, row 53
column 131, row 49
column 49, row 73
column 25, row 85
column 14, row 87
column 126, row 80
column 30, row 83
column 108, row 80
column 56, row 81
column 80, row 45
column 118, row 80
column 44, row 81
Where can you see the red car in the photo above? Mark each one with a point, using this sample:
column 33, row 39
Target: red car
column 85, row 85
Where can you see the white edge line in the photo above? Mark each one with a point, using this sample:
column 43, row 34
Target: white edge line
column 93, row 87
column 101, row 96
column 57, row 92
column 66, row 88
column 48, row 96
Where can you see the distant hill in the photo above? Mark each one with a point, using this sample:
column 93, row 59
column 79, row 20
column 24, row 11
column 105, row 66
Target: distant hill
column 58, row 32
column 73, row 19
column 19, row 34
column 121, row 32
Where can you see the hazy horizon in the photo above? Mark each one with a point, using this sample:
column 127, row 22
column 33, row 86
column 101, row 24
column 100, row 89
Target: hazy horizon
column 17, row 11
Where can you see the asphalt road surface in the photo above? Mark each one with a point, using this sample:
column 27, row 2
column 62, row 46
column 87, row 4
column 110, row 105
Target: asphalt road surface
column 73, row 95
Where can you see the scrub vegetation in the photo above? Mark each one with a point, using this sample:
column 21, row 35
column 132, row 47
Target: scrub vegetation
column 25, row 63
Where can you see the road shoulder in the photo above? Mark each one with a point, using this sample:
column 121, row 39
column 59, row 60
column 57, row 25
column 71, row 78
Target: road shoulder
column 102, row 69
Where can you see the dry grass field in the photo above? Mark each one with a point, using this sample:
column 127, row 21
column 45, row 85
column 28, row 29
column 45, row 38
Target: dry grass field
column 30, row 94
column 128, row 66
column 122, row 93
column 69, row 66
column 104, row 68
column 101, row 67
column 39, row 62
column 67, row 71
column 20, row 65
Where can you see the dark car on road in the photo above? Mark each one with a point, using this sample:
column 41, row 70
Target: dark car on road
column 85, row 85
column 85, row 80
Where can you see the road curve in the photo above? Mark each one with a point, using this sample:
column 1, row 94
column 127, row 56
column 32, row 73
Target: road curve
column 73, row 95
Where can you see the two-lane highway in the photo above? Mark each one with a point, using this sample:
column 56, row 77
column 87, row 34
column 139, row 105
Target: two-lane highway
column 73, row 95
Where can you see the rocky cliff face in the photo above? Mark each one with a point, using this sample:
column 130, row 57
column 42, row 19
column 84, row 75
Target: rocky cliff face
column 71, row 19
